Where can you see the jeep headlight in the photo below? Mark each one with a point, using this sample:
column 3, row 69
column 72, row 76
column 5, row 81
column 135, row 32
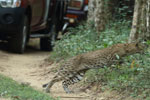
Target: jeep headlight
column 10, row 3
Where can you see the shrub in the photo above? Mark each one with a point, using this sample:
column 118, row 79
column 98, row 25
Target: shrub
column 133, row 76
column 84, row 38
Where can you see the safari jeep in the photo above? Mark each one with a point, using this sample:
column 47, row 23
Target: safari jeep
column 77, row 9
column 24, row 19
column 76, row 12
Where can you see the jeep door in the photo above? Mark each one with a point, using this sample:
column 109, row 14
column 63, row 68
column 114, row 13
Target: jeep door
column 37, row 11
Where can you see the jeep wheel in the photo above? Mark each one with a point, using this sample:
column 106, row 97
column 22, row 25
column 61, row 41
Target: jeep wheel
column 55, row 26
column 47, row 43
column 17, row 43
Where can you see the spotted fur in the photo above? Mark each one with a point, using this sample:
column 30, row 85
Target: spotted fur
column 74, row 68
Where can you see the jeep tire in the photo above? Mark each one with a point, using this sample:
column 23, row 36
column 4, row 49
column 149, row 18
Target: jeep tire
column 17, row 43
column 47, row 43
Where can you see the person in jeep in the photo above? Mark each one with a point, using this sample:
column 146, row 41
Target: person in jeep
column 21, row 20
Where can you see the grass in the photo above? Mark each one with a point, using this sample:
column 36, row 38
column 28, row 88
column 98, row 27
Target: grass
column 132, row 77
column 84, row 38
column 11, row 89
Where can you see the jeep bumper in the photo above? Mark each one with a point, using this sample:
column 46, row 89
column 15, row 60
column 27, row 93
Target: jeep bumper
column 78, row 14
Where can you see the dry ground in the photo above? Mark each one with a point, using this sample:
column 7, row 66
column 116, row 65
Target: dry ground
column 4, row 99
column 30, row 68
column 26, row 68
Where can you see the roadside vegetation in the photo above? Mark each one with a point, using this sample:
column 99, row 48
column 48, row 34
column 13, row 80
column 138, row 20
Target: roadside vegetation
column 14, row 91
column 84, row 38
column 132, row 77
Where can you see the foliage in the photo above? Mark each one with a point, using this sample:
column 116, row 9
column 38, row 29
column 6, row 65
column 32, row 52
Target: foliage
column 132, row 76
column 11, row 89
column 123, row 9
column 84, row 38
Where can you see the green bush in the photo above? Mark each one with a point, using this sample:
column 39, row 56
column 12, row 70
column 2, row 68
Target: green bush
column 130, row 77
column 133, row 76
column 84, row 38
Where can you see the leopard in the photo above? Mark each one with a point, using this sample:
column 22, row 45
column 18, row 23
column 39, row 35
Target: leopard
column 74, row 69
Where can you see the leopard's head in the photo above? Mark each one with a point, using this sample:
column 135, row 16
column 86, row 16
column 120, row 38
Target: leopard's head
column 137, row 47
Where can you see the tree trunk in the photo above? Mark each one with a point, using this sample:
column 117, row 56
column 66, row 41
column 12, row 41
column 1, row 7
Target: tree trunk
column 142, row 28
column 100, row 15
column 141, row 21
column 91, row 10
column 96, row 14
column 135, row 23
column 147, row 34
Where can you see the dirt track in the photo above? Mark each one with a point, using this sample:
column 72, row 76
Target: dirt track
column 30, row 68
column 26, row 69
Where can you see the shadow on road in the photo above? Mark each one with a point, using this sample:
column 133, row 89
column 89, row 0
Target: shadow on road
column 3, row 46
column 32, row 47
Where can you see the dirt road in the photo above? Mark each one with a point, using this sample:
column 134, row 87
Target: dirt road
column 26, row 68
column 30, row 68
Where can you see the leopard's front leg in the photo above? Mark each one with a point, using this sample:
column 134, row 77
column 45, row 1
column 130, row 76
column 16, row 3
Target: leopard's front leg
column 51, row 83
